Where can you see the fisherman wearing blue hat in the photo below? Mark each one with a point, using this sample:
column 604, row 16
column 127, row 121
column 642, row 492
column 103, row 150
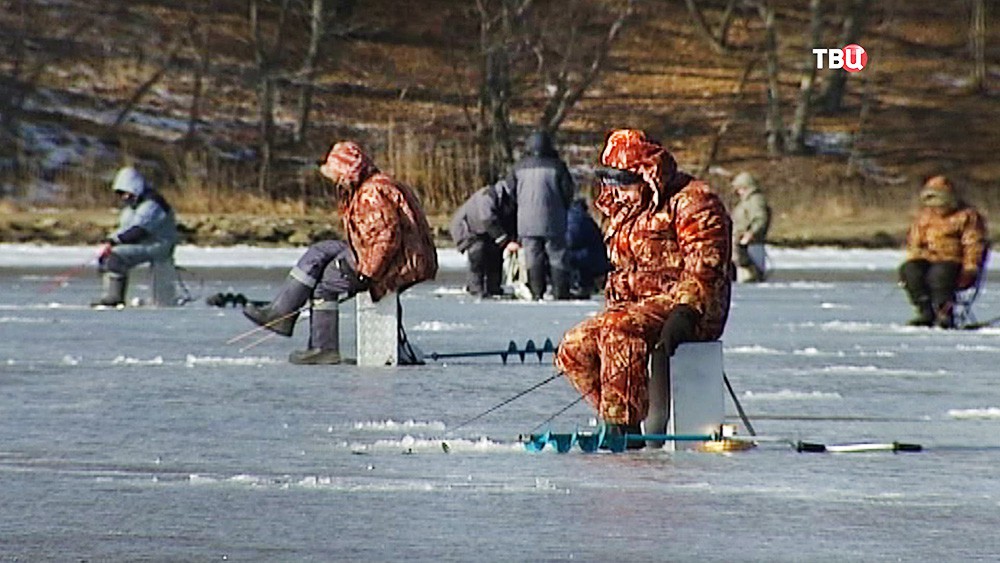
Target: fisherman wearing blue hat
column 147, row 232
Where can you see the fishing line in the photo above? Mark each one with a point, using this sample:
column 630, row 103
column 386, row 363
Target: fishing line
column 739, row 407
column 265, row 326
column 559, row 412
column 444, row 444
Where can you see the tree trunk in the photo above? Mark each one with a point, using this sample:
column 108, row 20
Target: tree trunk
column 774, row 123
column 854, row 22
column 800, row 122
column 977, row 36
column 316, row 29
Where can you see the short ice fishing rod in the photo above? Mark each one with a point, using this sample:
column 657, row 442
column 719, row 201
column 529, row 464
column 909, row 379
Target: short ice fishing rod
column 512, row 350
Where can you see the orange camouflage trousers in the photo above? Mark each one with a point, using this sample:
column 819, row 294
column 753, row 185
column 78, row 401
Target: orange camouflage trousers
column 606, row 357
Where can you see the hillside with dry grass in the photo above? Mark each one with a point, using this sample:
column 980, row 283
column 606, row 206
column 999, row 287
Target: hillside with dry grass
column 107, row 82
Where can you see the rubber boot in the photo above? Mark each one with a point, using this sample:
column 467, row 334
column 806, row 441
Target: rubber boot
column 925, row 313
column 280, row 314
column 114, row 285
column 560, row 284
column 324, row 335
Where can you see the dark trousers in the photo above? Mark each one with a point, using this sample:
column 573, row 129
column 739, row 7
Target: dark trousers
column 930, row 284
column 485, row 266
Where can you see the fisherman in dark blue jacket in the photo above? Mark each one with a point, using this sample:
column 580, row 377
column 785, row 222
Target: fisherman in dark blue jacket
column 147, row 232
column 481, row 228
column 544, row 191
column 586, row 255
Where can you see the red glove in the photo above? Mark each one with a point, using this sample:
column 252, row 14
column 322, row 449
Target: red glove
column 967, row 278
column 104, row 251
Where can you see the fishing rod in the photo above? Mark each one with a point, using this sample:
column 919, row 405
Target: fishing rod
column 444, row 444
column 66, row 275
column 512, row 349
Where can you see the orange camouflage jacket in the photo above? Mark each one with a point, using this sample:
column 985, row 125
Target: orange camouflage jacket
column 390, row 236
column 958, row 236
column 680, row 249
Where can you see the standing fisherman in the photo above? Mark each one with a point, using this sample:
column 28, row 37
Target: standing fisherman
column 388, row 248
column 147, row 232
column 751, row 221
column 668, row 238
column 544, row 190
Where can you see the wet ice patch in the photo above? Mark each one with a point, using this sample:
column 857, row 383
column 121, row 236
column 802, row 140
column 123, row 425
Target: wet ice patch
column 990, row 413
column 789, row 395
column 440, row 326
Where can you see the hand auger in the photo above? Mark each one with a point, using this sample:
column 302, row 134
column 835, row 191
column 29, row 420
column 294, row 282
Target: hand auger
column 512, row 349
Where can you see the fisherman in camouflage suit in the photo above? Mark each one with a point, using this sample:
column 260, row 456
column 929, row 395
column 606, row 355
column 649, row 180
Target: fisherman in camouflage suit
column 669, row 241
column 945, row 250
column 388, row 248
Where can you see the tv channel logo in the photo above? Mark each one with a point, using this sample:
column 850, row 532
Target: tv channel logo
column 851, row 58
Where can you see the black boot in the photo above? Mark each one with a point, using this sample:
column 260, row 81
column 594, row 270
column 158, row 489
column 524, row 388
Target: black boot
column 114, row 290
column 280, row 315
column 616, row 433
column 925, row 314
column 324, row 335
column 537, row 283
column 560, row 284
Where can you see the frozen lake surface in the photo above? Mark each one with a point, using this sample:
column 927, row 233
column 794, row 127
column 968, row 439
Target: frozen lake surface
column 139, row 434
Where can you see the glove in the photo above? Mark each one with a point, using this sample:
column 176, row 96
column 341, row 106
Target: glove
column 966, row 279
column 678, row 328
column 104, row 251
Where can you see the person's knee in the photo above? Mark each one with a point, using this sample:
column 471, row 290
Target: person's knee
column 679, row 327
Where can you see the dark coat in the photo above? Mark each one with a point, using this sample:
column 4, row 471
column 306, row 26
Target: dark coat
column 585, row 250
column 544, row 189
column 491, row 211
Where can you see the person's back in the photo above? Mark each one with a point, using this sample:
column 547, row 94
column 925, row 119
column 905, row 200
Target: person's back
column 481, row 227
column 586, row 255
column 544, row 190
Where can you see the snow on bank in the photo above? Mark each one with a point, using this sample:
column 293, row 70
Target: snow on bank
column 26, row 255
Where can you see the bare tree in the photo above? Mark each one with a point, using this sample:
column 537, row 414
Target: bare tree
column 558, row 77
column 773, row 122
column 977, row 41
column 795, row 142
column 266, row 53
column 199, row 39
column 525, row 49
column 854, row 23
column 716, row 39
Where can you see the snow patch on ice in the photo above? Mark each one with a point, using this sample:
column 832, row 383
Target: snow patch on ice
column 788, row 394
column 392, row 425
column 440, row 326
column 195, row 361
column 968, row 414
column 755, row 349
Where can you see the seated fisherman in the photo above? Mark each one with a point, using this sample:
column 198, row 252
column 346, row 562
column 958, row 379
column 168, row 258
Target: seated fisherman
column 147, row 231
column 944, row 251
column 668, row 238
column 388, row 248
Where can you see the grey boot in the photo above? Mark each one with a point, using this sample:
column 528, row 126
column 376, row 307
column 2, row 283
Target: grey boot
column 114, row 285
column 324, row 335
column 280, row 315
